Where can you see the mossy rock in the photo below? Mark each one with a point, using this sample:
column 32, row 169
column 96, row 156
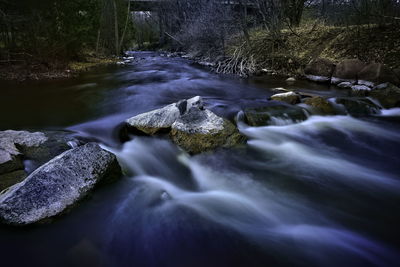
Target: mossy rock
column 320, row 104
column 201, row 130
column 261, row 116
column 358, row 106
column 388, row 96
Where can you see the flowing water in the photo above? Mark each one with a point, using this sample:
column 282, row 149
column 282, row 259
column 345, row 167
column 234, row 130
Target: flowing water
column 324, row 192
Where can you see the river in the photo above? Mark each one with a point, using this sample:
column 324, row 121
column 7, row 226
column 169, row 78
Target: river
column 324, row 192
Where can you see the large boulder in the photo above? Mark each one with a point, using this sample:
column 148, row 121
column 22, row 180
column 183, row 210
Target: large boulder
column 288, row 97
column 377, row 73
column 201, row 130
column 320, row 105
column 58, row 184
column 37, row 147
column 388, row 95
column 358, row 106
column 319, row 70
column 161, row 120
column 347, row 71
column 189, row 124
column 272, row 114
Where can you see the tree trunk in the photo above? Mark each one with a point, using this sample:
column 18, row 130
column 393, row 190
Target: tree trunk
column 116, row 28
column 128, row 16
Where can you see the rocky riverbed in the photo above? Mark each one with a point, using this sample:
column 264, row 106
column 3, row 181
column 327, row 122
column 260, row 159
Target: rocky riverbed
column 165, row 153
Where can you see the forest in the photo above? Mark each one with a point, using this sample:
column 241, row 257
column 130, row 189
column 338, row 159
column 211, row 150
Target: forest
column 54, row 32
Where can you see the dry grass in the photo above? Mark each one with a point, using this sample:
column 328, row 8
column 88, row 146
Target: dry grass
column 289, row 52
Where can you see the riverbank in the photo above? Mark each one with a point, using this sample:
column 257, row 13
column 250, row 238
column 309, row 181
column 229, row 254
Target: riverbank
column 30, row 70
column 289, row 52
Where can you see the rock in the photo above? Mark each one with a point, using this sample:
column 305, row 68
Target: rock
column 388, row 96
column 11, row 178
column 289, row 97
column 376, row 73
column 360, row 90
column 57, row 185
column 358, row 106
column 319, row 70
column 37, row 147
column 201, row 130
column 189, row 125
column 10, row 142
column 320, row 104
column 161, row 120
column 9, row 162
column 347, row 71
column 345, row 84
column 262, row 116
column 280, row 90
column 291, row 80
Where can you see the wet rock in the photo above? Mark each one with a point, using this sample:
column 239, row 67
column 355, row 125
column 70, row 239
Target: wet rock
column 347, row 71
column 263, row 116
column 360, row 90
column 279, row 90
column 291, row 80
column 376, row 73
column 9, row 162
column 358, row 106
column 201, row 130
column 320, row 105
column 11, row 141
column 58, row 184
column 37, row 147
column 289, row 97
column 190, row 126
column 11, row 178
column 388, row 95
column 161, row 120
column 345, row 84
column 319, row 70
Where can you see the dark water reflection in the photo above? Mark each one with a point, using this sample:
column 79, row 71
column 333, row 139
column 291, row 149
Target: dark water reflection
column 321, row 193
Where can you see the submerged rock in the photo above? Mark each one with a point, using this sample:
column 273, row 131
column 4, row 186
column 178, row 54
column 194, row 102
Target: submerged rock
column 57, row 185
column 267, row 115
column 320, row 104
column 319, row 70
column 358, row 106
column 388, row 95
column 289, row 97
column 161, row 120
column 201, row 130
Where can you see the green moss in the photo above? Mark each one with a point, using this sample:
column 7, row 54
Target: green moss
column 89, row 63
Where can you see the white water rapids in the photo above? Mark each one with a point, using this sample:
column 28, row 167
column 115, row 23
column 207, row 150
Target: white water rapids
column 278, row 221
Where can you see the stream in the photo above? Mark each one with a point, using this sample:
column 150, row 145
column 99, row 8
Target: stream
column 324, row 192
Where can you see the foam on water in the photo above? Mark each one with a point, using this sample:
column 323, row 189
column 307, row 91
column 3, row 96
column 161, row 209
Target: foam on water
column 276, row 220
